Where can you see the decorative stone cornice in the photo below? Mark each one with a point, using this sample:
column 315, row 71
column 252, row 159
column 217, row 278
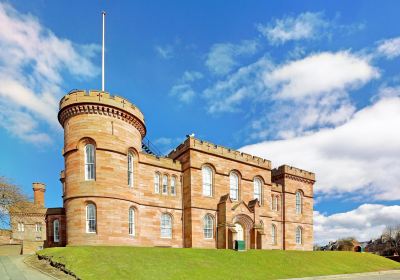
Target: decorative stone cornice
column 87, row 108
column 293, row 177
column 99, row 102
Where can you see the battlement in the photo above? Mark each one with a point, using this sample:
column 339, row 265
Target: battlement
column 286, row 169
column 100, row 97
column 165, row 162
column 197, row 144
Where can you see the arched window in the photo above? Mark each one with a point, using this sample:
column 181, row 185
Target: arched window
column 131, row 222
column 56, row 230
column 90, row 218
column 298, row 202
column 273, row 234
column 165, row 184
column 208, row 226
column 299, row 236
column 90, row 168
column 166, row 226
column 207, row 180
column 257, row 189
column 157, row 182
column 173, row 185
column 234, row 186
column 276, row 203
column 130, row 169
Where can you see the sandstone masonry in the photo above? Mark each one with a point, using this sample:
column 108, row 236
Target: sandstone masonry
column 201, row 195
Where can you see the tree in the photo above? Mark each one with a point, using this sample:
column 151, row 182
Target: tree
column 391, row 236
column 11, row 198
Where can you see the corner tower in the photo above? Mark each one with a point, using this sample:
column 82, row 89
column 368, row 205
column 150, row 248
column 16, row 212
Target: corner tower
column 109, row 128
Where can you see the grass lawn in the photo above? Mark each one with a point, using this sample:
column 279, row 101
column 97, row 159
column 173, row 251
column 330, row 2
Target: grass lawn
column 167, row 263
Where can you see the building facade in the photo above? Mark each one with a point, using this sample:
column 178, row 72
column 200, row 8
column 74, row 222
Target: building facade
column 201, row 195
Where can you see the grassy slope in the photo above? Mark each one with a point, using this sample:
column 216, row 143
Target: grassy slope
column 162, row 263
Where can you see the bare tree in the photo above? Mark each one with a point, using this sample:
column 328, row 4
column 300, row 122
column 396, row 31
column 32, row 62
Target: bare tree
column 11, row 199
column 391, row 236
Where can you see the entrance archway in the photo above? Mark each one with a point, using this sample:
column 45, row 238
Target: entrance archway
column 243, row 227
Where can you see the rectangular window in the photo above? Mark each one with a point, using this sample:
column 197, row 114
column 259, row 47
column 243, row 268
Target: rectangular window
column 157, row 183
column 21, row 227
column 90, row 218
column 56, row 225
column 38, row 227
column 173, row 188
column 166, row 226
column 130, row 170
column 165, row 184
column 131, row 222
column 89, row 162
column 207, row 181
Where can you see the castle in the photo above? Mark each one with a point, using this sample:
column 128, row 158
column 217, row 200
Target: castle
column 200, row 195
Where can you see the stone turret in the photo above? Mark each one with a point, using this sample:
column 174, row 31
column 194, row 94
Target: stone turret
column 113, row 127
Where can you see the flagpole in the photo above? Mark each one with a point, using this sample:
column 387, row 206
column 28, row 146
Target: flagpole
column 102, row 53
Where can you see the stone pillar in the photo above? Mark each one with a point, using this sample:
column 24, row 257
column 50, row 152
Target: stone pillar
column 38, row 193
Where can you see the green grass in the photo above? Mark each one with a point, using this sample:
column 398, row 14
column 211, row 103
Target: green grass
column 166, row 263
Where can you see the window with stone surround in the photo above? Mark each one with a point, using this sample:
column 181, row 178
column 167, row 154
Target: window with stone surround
column 207, row 175
column 165, row 184
column 234, row 186
column 157, row 182
column 38, row 227
column 130, row 169
column 208, row 226
column 273, row 234
column 131, row 222
column 21, row 227
column 56, row 231
column 90, row 168
column 258, row 189
column 166, row 225
column 90, row 218
column 173, row 185
column 298, row 202
column 299, row 236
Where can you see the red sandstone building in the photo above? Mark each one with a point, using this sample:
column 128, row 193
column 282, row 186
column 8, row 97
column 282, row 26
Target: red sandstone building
column 201, row 195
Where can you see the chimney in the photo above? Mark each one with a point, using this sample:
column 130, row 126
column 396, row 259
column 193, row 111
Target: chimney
column 38, row 193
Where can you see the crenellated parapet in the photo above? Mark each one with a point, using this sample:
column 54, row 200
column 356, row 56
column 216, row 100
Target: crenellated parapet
column 163, row 162
column 100, row 102
column 293, row 173
column 207, row 147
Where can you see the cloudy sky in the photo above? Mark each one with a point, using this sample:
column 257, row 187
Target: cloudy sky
column 311, row 84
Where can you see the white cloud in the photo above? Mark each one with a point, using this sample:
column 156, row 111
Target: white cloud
column 165, row 52
column 306, row 94
column 362, row 155
column 304, row 26
column 387, row 92
column 320, row 74
column 363, row 223
column 191, row 76
column 183, row 90
column 390, row 48
column 247, row 82
column 30, row 80
column 222, row 57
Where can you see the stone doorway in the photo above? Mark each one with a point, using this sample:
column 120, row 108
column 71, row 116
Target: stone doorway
column 243, row 228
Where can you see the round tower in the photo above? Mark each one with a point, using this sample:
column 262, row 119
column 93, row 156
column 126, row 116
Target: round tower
column 102, row 137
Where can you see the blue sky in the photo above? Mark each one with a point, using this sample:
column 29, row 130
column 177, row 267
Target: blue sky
column 314, row 84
